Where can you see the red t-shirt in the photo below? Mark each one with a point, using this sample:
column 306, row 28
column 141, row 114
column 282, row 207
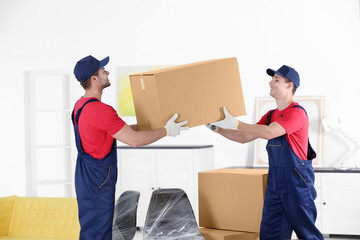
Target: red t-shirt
column 97, row 123
column 296, row 124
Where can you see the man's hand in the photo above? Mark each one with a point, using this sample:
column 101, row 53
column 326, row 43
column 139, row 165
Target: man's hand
column 172, row 128
column 229, row 122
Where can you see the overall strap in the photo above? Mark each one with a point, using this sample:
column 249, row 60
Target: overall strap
column 79, row 111
column 300, row 107
column 268, row 117
column 311, row 154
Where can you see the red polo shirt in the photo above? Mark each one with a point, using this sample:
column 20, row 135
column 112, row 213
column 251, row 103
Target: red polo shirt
column 296, row 124
column 97, row 123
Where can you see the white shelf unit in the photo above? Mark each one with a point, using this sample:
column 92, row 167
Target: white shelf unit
column 48, row 132
column 148, row 168
column 318, row 201
column 339, row 198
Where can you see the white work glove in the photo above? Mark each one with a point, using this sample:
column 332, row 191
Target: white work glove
column 229, row 122
column 172, row 128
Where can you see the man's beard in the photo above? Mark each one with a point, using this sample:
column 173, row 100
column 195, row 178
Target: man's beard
column 107, row 84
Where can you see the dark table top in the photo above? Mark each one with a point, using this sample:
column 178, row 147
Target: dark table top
column 167, row 147
column 316, row 169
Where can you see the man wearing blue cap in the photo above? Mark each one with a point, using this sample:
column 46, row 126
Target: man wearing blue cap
column 290, row 193
column 97, row 127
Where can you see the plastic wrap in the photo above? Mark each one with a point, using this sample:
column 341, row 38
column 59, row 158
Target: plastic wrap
column 170, row 216
column 124, row 226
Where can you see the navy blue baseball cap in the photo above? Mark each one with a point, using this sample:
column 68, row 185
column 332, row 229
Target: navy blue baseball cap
column 87, row 66
column 288, row 72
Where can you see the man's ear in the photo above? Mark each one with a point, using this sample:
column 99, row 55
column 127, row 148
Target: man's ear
column 290, row 85
column 93, row 78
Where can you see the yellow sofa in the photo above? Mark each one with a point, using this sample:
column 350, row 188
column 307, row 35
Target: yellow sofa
column 38, row 218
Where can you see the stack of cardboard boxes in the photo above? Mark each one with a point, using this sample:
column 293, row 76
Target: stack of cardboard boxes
column 231, row 203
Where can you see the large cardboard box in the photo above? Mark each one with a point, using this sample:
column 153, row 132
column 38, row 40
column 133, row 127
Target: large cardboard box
column 197, row 92
column 217, row 234
column 232, row 199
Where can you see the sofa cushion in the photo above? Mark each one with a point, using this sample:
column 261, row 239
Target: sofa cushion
column 6, row 210
column 45, row 217
column 35, row 238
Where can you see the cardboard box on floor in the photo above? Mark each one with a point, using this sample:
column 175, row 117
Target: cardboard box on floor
column 232, row 199
column 196, row 91
column 216, row 234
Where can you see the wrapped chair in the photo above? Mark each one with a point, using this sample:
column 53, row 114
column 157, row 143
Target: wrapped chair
column 170, row 216
column 124, row 226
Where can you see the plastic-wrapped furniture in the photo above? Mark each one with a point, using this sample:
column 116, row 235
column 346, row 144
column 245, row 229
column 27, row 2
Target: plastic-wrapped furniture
column 124, row 227
column 170, row 216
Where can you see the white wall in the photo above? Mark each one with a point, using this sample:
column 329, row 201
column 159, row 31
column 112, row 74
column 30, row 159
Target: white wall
column 320, row 38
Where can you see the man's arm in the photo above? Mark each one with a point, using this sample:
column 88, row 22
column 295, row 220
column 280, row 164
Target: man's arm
column 248, row 132
column 131, row 136
column 135, row 138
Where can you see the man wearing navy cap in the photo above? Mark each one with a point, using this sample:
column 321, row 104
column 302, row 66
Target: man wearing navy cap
column 97, row 127
column 290, row 193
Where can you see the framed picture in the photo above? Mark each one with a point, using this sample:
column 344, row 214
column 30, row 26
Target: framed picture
column 125, row 100
column 314, row 107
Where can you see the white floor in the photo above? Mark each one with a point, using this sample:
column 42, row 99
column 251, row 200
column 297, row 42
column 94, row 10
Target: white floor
column 139, row 236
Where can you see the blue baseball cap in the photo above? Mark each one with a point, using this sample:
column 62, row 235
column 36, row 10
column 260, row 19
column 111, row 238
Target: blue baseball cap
column 288, row 72
column 87, row 66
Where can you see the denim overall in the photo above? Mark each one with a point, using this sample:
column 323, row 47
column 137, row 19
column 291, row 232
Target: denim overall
column 95, row 181
column 290, row 193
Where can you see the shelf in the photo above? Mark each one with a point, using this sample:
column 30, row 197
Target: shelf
column 54, row 182
column 54, row 146
column 48, row 134
column 53, row 110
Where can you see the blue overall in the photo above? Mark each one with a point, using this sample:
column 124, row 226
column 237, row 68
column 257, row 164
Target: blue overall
column 290, row 193
column 95, row 181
